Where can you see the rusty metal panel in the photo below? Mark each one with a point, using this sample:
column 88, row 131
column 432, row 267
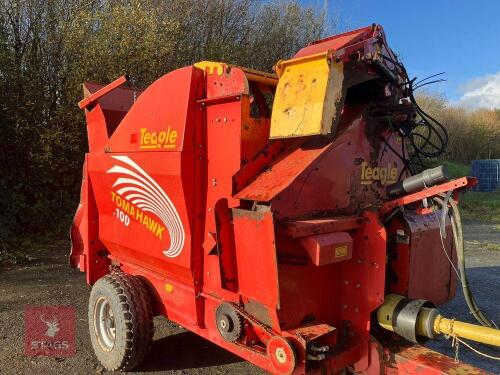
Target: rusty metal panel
column 281, row 174
column 403, row 358
column 332, row 184
column 319, row 176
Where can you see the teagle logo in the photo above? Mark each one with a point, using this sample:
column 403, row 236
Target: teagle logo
column 157, row 139
column 385, row 175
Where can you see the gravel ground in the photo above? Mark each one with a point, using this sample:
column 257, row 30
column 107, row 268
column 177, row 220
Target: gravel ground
column 482, row 250
column 48, row 280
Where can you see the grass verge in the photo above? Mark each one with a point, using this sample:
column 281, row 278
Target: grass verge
column 491, row 246
column 481, row 206
column 474, row 204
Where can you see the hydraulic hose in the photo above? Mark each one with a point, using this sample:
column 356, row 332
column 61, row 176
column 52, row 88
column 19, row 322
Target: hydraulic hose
column 458, row 239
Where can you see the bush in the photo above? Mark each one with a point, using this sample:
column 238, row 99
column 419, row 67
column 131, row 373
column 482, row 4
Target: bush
column 48, row 48
column 473, row 134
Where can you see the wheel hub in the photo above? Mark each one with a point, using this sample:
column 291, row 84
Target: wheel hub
column 104, row 324
column 225, row 323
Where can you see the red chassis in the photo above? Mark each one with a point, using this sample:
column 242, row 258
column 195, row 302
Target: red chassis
column 183, row 188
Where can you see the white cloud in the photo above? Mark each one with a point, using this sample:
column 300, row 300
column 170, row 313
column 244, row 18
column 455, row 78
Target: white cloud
column 481, row 92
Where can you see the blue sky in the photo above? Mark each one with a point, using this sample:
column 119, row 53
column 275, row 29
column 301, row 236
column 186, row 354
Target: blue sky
column 459, row 37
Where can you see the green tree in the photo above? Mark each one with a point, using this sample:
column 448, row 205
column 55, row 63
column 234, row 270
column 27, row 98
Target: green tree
column 49, row 47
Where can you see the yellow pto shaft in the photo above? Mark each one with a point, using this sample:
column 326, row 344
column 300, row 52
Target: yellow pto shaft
column 414, row 319
column 451, row 327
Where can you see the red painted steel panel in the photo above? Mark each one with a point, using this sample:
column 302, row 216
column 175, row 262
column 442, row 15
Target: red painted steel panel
column 363, row 283
column 398, row 258
column 328, row 248
column 120, row 99
column 85, row 242
column 226, row 98
column 105, row 108
column 161, row 118
column 256, row 257
column 431, row 276
column 309, row 293
column 97, row 132
column 143, row 196
column 336, row 42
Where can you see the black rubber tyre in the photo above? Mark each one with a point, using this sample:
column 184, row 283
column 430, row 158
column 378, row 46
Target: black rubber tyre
column 120, row 321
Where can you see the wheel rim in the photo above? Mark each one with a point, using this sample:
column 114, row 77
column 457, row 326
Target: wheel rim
column 104, row 324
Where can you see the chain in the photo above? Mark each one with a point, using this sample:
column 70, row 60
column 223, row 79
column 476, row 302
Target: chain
column 456, row 341
column 455, row 344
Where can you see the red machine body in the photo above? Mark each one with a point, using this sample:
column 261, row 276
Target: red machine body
column 183, row 187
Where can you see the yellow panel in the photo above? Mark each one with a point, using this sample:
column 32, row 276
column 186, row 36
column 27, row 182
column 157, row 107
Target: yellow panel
column 309, row 96
column 212, row 66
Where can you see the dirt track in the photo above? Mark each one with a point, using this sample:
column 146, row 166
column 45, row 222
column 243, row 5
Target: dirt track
column 47, row 280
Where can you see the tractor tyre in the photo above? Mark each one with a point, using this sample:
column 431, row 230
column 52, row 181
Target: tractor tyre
column 120, row 321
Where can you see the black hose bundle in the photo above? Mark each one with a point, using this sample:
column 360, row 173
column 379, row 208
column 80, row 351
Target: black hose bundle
column 458, row 239
column 426, row 137
column 430, row 143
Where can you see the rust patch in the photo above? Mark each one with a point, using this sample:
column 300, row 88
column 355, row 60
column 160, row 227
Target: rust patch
column 415, row 359
column 259, row 312
column 252, row 215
